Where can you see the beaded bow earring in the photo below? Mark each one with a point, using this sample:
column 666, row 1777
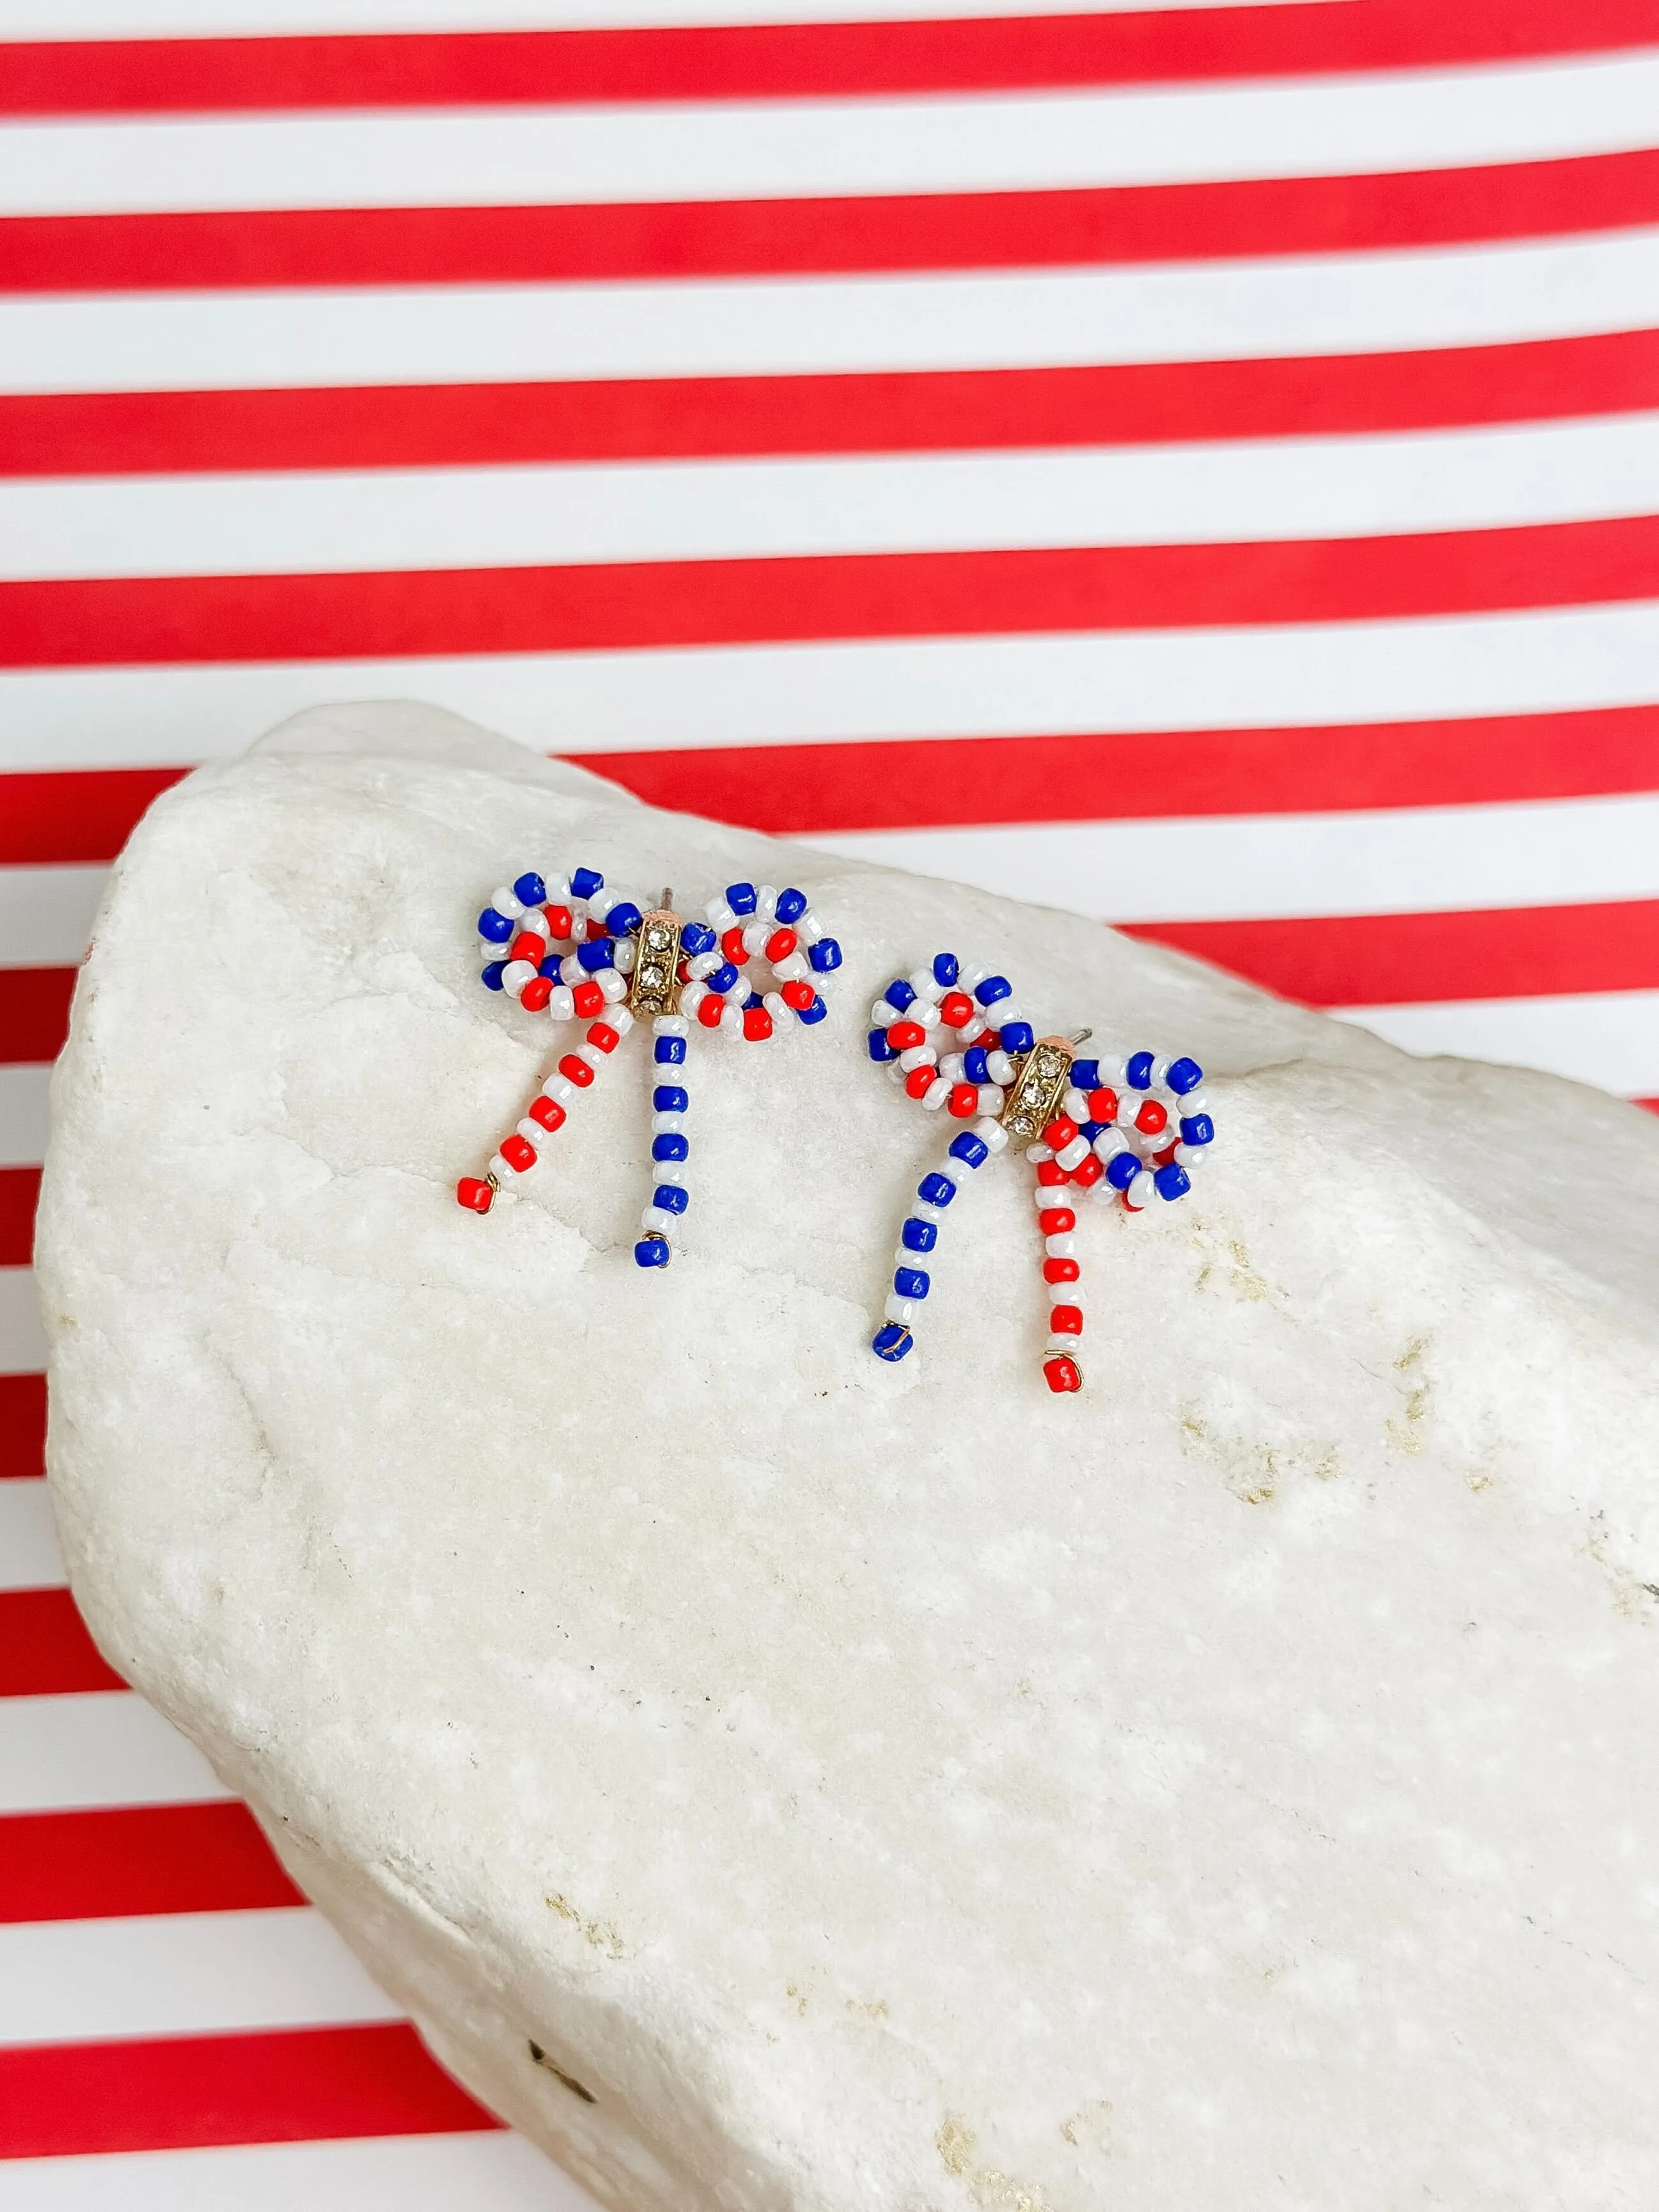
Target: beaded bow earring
column 625, row 963
column 1130, row 1131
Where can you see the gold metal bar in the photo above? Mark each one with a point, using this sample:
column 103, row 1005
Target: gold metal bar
column 1040, row 1080
column 656, row 986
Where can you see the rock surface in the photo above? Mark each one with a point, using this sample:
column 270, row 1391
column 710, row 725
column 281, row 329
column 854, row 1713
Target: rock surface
column 883, row 1789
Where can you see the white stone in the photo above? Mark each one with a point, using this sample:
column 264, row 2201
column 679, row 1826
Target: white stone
column 885, row 1789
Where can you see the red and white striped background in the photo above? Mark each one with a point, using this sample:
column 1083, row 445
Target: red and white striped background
column 1199, row 465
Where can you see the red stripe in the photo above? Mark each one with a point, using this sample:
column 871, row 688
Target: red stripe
column 629, row 606
column 267, row 248
column 1650, row 1105
column 22, row 1426
column 148, row 1858
column 905, row 784
column 773, row 61
column 62, row 817
column 45, row 1649
column 58, row 2100
column 34, row 1004
column 433, row 425
column 20, row 1188
column 1399, row 959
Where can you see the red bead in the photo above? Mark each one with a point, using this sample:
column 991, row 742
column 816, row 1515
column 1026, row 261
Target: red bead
column 920, row 1080
column 757, row 1023
column 1164, row 1158
column 602, row 1035
column 1056, row 1220
column 904, row 1034
column 989, row 1039
column 1061, row 1374
column 589, row 999
column 800, row 996
column 683, row 970
column 547, row 1111
column 559, row 921
column 1103, row 1105
column 1050, row 1173
column 526, row 945
column 963, row 1101
column 956, row 1009
column 579, row 1071
column 710, row 1009
column 474, row 1194
column 536, row 993
column 1066, row 1321
column 519, row 1152
column 1151, row 1118
column 733, row 946
column 1059, row 1133
column 1088, row 1172
column 596, row 930
column 1060, row 1271
column 780, row 943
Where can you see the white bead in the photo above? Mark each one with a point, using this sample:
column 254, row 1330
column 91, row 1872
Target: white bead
column 1067, row 1345
column 1073, row 1154
column 990, row 1101
column 660, row 1219
column 953, row 1170
column 755, row 936
column 591, row 1054
column 561, row 1090
column 499, row 1167
column 1063, row 1247
column 795, row 970
column 1037, row 1153
column 1190, row 1156
column 936, row 1094
column 900, row 1310
column 1007, row 1009
column 925, row 1210
column 602, row 900
column 1064, row 1294
column 516, row 974
column 1196, row 1102
column 1075, row 1105
column 504, row 902
column 667, row 1125
column 927, row 985
column 809, row 928
column 692, row 997
column 992, row 1135
column 720, row 916
column 626, row 954
column 533, row 1134
column 558, row 890
column 969, row 978
column 620, row 1019
column 780, row 1008
column 536, row 923
column 561, row 1006
column 1160, row 1073
column 766, row 898
column 670, row 1025
column 704, row 965
column 954, row 1066
column 672, row 1171
column 1128, row 1106
column 731, row 1018
column 1000, row 1067
column 918, row 1055
column 571, row 970
column 925, row 1010
column 1045, row 1195
column 977, row 1027
column 1139, row 1191
column 882, row 1016
column 615, row 987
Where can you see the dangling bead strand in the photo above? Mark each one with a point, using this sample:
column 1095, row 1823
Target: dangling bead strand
column 919, row 1233
column 670, row 1146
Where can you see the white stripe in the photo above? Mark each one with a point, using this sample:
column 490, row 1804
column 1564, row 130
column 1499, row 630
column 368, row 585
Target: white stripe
column 594, row 703
column 1198, row 310
column 29, row 1557
column 24, row 1118
column 22, row 1339
column 100, row 1747
column 180, row 1973
column 514, row 156
column 1608, row 1038
column 45, row 914
column 1253, row 867
column 493, row 2172
column 398, row 518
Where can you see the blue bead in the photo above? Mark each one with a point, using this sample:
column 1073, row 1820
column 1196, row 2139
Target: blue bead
column 1090, row 1130
column 697, row 936
column 669, row 1052
column 1172, row 1181
column 492, row 976
column 669, row 1098
column 946, row 970
column 972, row 1151
column 825, row 955
column 550, row 968
column 585, row 882
column 911, row 1282
column 740, row 897
column 892, row 1341
column 1185, row 1075
column 1121, row 1171
column 879, row 1047
column 723, row 979
column 809, row 1016
column 918, row 1235
column 1085, row 1073
column 1017, row 1036
column 753, row 999
column 494, row 927
column 899, row 995
column 670, row 1198
column 598, row 952
column 671, row 1146
column 622, row 920
column 531, row 890
column 976, row 1064
column 1197, row 1129
column 792, row 904
column 1138, row 1071
column 937, row 1189
column 652, row 1252
column 993, row 989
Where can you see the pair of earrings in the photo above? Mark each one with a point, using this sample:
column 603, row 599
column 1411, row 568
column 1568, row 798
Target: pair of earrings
column 572, row 949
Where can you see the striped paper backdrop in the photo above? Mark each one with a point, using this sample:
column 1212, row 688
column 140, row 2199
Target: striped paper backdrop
column 1198, row 466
